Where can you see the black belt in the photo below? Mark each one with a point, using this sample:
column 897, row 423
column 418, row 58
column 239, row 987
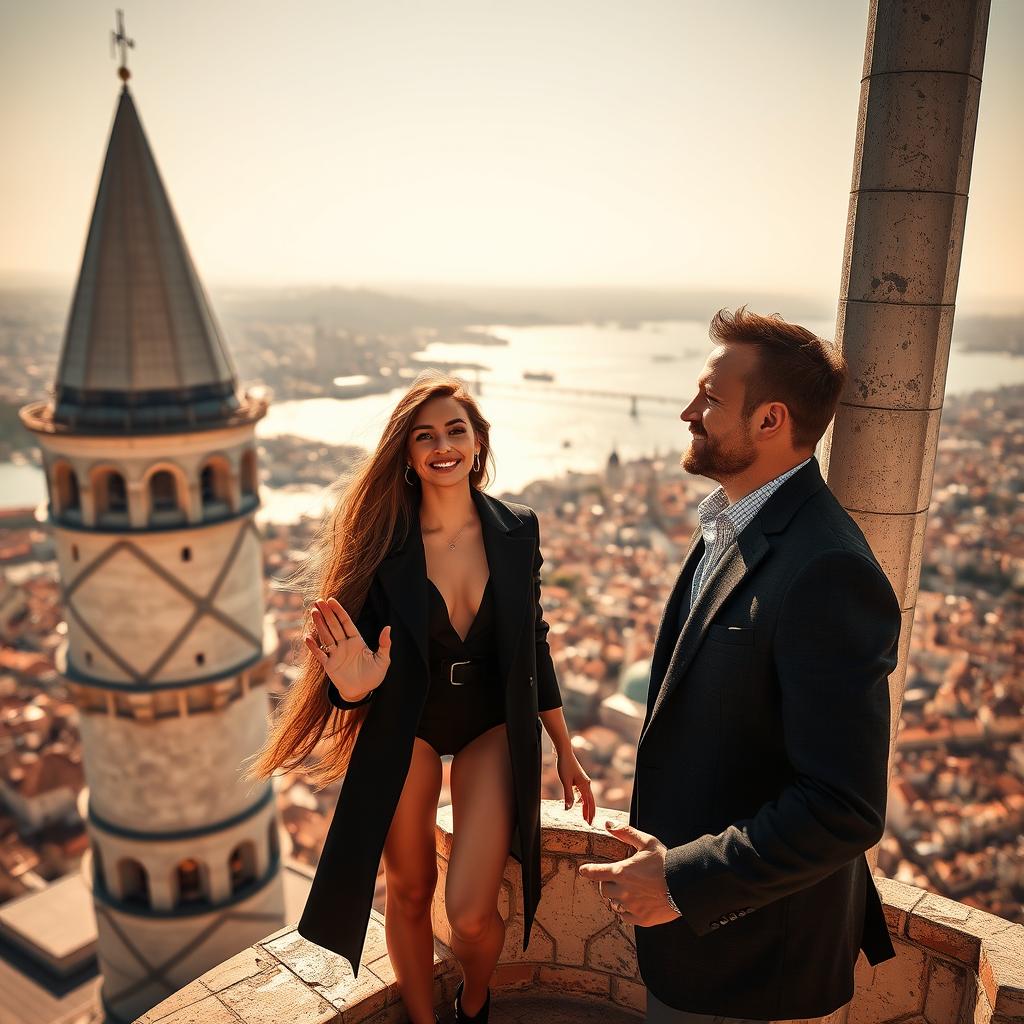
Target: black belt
column 462, row 672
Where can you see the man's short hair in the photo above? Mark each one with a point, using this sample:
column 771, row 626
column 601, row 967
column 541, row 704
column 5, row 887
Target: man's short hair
column 795, row 367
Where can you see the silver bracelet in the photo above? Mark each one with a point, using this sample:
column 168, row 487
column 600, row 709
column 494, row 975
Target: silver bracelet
column 672, row 902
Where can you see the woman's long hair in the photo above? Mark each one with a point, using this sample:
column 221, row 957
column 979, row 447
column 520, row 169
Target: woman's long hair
column 375, row 509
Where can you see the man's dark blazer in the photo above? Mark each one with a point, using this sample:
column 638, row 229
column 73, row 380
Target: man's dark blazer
column 337, row 910
column 762, row 764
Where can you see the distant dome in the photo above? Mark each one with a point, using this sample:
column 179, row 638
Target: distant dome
column 635, row 680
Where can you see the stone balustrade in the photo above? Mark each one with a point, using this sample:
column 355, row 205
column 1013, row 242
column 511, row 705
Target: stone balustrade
column 954, row 963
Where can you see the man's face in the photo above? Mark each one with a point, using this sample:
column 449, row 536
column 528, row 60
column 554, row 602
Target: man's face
column 721, row 444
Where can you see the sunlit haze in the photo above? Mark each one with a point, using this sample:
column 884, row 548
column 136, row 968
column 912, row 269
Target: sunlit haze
column 662, row 143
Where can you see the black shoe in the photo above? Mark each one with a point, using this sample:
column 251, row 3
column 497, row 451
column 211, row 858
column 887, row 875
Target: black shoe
column 461, row 1017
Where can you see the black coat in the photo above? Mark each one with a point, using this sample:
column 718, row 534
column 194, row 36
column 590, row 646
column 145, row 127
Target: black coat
column 762, row 764
column 337, row 910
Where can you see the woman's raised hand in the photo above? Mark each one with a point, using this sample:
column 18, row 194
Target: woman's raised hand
column 349, row 663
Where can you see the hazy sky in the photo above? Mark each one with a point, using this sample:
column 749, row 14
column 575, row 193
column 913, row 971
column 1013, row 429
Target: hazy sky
column 637, row 142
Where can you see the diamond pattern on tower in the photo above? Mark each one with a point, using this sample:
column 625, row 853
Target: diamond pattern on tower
column 163, row 597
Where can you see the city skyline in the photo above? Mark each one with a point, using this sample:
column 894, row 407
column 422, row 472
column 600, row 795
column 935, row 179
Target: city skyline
column 583, row 146
column 152, row 600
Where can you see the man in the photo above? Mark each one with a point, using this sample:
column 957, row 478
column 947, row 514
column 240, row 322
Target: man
column 761, row 769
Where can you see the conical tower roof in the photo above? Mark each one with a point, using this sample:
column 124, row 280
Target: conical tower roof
column 142, row 351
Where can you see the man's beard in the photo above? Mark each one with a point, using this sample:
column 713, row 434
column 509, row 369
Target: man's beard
column 711, row 460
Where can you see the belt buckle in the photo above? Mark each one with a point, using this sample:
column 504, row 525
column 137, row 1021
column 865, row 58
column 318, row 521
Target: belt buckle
column 451, row 672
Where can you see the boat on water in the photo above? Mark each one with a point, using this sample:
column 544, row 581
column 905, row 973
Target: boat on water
column 357, row 385
column 538, row 375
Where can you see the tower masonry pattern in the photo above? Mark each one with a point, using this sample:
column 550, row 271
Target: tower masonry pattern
column 151, row 463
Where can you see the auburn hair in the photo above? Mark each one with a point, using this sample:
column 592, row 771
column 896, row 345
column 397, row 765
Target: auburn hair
column 795, row 367
column 374, row 510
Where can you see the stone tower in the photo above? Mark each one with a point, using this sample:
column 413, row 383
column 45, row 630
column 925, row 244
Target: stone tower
column 150, row 457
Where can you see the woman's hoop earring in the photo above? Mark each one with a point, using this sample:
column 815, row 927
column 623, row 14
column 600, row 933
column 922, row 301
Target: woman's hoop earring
column 476, row 462
column 411, row 483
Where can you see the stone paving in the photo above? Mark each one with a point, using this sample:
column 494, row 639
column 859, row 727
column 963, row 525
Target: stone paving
column 539, row 1010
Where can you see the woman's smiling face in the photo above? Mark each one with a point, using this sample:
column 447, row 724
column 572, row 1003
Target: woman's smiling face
column 442, row 443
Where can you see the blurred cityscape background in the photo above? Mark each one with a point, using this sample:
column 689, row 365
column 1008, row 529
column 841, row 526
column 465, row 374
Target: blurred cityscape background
column 396, row 227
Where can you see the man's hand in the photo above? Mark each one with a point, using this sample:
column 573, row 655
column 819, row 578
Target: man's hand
column 634, row 888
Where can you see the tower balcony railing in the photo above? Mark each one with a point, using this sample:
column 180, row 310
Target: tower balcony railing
column 954, row 963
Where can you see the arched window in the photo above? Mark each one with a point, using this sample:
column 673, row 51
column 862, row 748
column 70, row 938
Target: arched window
column 164, row 507
column 162, row 490
column 117, row 493
column 111, row 499
column 208, row 484
column 134, row 882
column 242, row 865
column 190, row 882
column 69, row 500
column 215, row 488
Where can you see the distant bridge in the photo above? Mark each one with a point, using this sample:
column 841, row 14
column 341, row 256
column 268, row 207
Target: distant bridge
column 633, row 398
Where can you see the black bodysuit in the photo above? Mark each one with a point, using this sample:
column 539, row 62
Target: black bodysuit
column 455, row 714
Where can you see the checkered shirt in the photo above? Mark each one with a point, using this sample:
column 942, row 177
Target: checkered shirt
column 721, row 523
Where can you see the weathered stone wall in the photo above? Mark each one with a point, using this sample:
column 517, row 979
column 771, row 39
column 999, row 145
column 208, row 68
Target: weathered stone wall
column 955, row 964
column 578, row 946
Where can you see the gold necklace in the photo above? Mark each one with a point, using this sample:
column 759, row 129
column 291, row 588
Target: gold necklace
column 451, row 543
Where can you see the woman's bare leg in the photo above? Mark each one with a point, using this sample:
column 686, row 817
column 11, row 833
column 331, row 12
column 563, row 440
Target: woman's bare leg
column 410, row 871
column 483, row 820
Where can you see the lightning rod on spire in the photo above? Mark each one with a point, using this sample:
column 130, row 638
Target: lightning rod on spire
column 119, row 39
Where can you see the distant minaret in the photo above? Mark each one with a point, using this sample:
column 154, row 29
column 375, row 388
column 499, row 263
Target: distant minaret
column 613, row 474
column 151, row 464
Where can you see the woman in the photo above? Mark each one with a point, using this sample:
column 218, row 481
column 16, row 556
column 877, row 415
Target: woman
column 445, row 580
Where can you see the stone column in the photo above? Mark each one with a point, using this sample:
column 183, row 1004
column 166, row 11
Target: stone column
column 138, row 503
column 912, row 165
column 87, row 497
column 195, row 502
